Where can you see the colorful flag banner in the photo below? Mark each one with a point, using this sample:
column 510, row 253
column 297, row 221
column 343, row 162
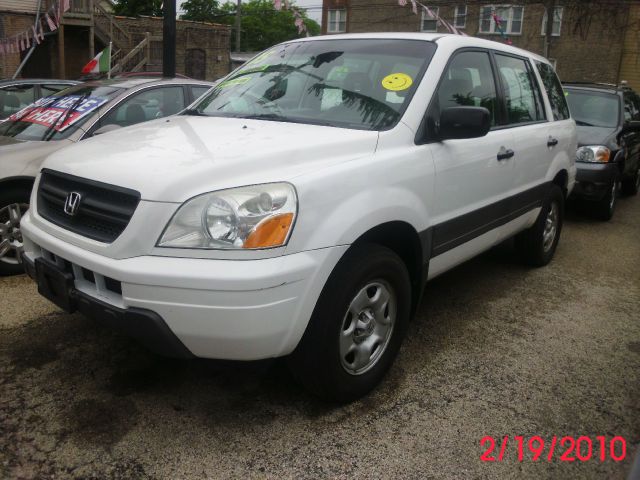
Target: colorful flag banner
column 35, row 34
column 101, row 63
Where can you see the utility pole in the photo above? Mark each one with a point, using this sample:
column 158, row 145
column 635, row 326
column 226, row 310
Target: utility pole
column 238, row 23
column 169, row 39
column 550, row 8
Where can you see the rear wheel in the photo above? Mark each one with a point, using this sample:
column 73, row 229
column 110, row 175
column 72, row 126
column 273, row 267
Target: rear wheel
column 14, row 202
column 630, row 186
column 537, row 244
column 357, row 326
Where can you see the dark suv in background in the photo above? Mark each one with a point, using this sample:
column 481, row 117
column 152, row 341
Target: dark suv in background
column 608, row 155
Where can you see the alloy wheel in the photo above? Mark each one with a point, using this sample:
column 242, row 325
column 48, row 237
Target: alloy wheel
column 10, row 234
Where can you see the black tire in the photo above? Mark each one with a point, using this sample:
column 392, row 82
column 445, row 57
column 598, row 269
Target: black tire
column 630, row 186
column 531, row 242
column 317, row 362
column 606, row 207
column 9, row 196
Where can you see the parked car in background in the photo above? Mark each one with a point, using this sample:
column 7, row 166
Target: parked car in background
column 17, row 94
column 608, row 155
column 300, row 206
column 66, row 117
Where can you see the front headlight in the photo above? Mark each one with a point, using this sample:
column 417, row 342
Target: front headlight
column 254, row 217
column 593, row 154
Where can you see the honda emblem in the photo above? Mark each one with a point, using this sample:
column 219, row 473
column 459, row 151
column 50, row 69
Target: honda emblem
column 72, row 203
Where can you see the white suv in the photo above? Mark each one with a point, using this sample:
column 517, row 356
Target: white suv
column 299, row 208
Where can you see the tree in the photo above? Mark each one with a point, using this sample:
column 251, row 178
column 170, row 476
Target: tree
column 201, row 11
column 263, row 25
column 134, row 8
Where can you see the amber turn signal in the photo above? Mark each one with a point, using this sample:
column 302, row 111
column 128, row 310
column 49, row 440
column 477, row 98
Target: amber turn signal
column 271, row 232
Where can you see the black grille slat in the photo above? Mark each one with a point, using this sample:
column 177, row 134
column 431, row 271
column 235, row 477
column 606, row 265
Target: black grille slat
column 105, row 210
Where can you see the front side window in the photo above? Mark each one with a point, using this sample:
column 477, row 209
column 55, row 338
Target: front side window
column 429, row 24
column 553, row 87
column 557, row 22
column 510, row 19
column 337, row 21
column 468, row 81
column 630, row 109
column 590, row 108
column 360, row 84
column 146, row 105
column 520, row 90
column 58, row 116
column 460, row 18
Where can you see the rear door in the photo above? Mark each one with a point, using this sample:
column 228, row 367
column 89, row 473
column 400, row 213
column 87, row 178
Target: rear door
column 473, row 176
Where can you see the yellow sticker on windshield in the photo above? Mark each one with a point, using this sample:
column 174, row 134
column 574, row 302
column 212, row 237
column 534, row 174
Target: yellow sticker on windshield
column 397, row 82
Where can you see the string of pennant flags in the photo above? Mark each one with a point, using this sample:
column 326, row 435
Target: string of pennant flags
column 35, row 34
column 298, row 19
column 433, row 15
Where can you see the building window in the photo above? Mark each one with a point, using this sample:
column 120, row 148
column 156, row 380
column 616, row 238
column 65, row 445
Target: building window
column 511, row 19
column 429, row 24
column 460, row 18
column 557, row 22
column 337, row 21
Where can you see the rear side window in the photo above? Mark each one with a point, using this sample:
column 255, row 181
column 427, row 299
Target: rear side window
column 554, row 91
column 468, row 81
column 521, row 92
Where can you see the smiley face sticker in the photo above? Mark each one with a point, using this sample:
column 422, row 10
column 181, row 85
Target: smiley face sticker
column 397, row 82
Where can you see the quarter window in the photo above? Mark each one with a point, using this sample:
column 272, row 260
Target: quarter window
column 460, row 18
column 520, row 90
column 337, row 21
column 510, row 16
column 429, row 24
column 557, row 22
column 469, row 82
column 554, row 91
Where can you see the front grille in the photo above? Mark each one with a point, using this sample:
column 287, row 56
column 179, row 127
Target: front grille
column 104, row 210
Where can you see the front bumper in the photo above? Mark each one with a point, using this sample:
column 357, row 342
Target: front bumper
column 225, row 309
column 594, row 180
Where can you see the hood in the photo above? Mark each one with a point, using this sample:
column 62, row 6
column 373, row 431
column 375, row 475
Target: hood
column 597, row 136
column 18, row 157
column 174, row 159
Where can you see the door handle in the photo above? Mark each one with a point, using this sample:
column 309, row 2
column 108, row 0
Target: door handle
column 505, row 154
column 552, row 142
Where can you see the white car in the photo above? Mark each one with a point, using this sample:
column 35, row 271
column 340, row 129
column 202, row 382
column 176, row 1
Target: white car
column 299, row 208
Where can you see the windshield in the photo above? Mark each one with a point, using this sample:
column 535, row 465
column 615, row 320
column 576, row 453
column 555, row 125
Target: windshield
column 58, row 116
column 593, row 109
column 362, row 84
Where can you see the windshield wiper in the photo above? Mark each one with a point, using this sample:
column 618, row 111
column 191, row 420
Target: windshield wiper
column 584, row 124
column 51, row 128
column 194, row 112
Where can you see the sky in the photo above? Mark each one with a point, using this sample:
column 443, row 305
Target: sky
column 314, row 8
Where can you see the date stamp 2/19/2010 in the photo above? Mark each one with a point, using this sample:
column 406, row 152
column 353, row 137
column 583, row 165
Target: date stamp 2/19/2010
column 557, row 448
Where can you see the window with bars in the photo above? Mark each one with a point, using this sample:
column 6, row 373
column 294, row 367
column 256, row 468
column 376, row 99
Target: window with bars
column 337, row 21
column 460, row 16
column 429, row 24
column 510, row 19
column 557, row 22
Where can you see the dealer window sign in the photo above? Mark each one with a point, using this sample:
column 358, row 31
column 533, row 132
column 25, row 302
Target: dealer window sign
column 59, row 113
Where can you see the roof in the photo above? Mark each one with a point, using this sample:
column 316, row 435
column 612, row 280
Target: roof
column 29, row 81
column 131, row 82
column 602, row 87
column 440, row 38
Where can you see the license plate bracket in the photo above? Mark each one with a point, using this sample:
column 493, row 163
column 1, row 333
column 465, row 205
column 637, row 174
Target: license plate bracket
column 55, row 284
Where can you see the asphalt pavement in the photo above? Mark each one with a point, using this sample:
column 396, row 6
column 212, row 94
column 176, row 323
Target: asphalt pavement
column 496, row 349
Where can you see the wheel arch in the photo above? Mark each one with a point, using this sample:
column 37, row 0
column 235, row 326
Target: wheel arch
column 19, row 181
column 403, row 239
column 561, row 179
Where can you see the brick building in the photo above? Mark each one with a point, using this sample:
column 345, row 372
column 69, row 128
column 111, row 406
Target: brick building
column 590, row 41
column 202, row 49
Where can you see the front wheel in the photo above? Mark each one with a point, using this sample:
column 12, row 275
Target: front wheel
column 357, row 326
column 606, row 207
column 537, row 244
column 14, row 202
column 630, row 186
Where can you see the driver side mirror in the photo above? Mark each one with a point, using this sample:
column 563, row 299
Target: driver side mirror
column 106, row 129
column 631, row 126
column 464, row 122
